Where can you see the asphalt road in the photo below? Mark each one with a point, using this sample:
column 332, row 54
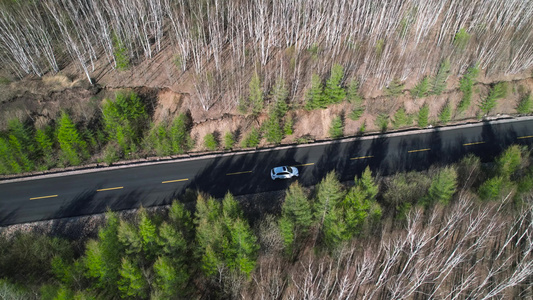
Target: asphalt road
column 35, row 199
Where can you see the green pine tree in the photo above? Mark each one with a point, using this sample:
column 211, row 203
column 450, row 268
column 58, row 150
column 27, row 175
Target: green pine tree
column 395, row 88
column 22, row 144
column 443, row 186
column 334, row 228
column 328, row 197
column 421, row 90
column 445, row 115
column 273, row 129
column 181, row 219
column 180, row 134
column 336, row 130
column 439, row 83
column 256, row 95
column 314, row 97
column 297, row 208
column 423, row 116
column 466, row 85
column 148, row 234
column 129, row 237
column 525, row 106
column 102, row 258
column 172, row 243
column 8, row 162
column 400, row 118
column 279, row 96
column 229, row 140
column 494, row 188
column 368, row 184
column 131, row 283
column 356, row 205
column 498, row 91
column 170, row 280
column 45, row 146
column 333, row 91
column 210, row 142
column 231, row 209
column 242, row 251
column 286, row 227
column 509, row 161
column 252, row 139
column 73, row 148
column 352, row 94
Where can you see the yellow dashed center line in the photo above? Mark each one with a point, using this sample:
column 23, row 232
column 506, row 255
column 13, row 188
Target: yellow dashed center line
column 177, row 180
column 51, row 196
column 525, row 137
column 309, row 164
column 110, row 189
column 474, row 143
column 419, row 150
column 361, row 157
column 237, row 173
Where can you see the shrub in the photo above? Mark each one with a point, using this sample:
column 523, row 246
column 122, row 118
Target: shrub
column 288, row 126
column 352, row 94
column 337, row 128
column 252, row 139
column 499, row 91
column 423, row 116
column 421, row 89
column 272, row 129
column 379, row 47
column 509, row 161
column 210, row 142
column 404, row 189
column 443, row 186
column 382, row 122
column 400, row 118
column 461, row 39
column 229, row 140
column 110, row 153
column 122, row 61
column 158, row 139
column 362, row 129
column 356, row 113
column 354, row 98
column 493, row 189
column 125, row 120
column 439, row 83
column 445, row 115
column 180, row 138
column 466, row 84
column 525, row 106
column 394, row 89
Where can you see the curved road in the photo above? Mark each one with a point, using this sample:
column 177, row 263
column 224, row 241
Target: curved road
column 63, row 195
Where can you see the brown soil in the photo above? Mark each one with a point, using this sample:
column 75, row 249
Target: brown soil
column 168, row 90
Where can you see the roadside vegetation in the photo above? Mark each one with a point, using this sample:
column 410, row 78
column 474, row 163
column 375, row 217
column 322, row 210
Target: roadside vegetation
column 122, row 131
column 373, row 235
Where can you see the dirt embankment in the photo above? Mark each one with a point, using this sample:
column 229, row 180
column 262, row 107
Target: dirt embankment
column 42, row 100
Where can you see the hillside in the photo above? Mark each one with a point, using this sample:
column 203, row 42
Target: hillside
column 204, row 53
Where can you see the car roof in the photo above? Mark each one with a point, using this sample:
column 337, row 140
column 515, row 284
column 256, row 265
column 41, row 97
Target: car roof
column 281, row 169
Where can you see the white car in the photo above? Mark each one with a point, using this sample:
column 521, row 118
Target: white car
column 283, row 172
